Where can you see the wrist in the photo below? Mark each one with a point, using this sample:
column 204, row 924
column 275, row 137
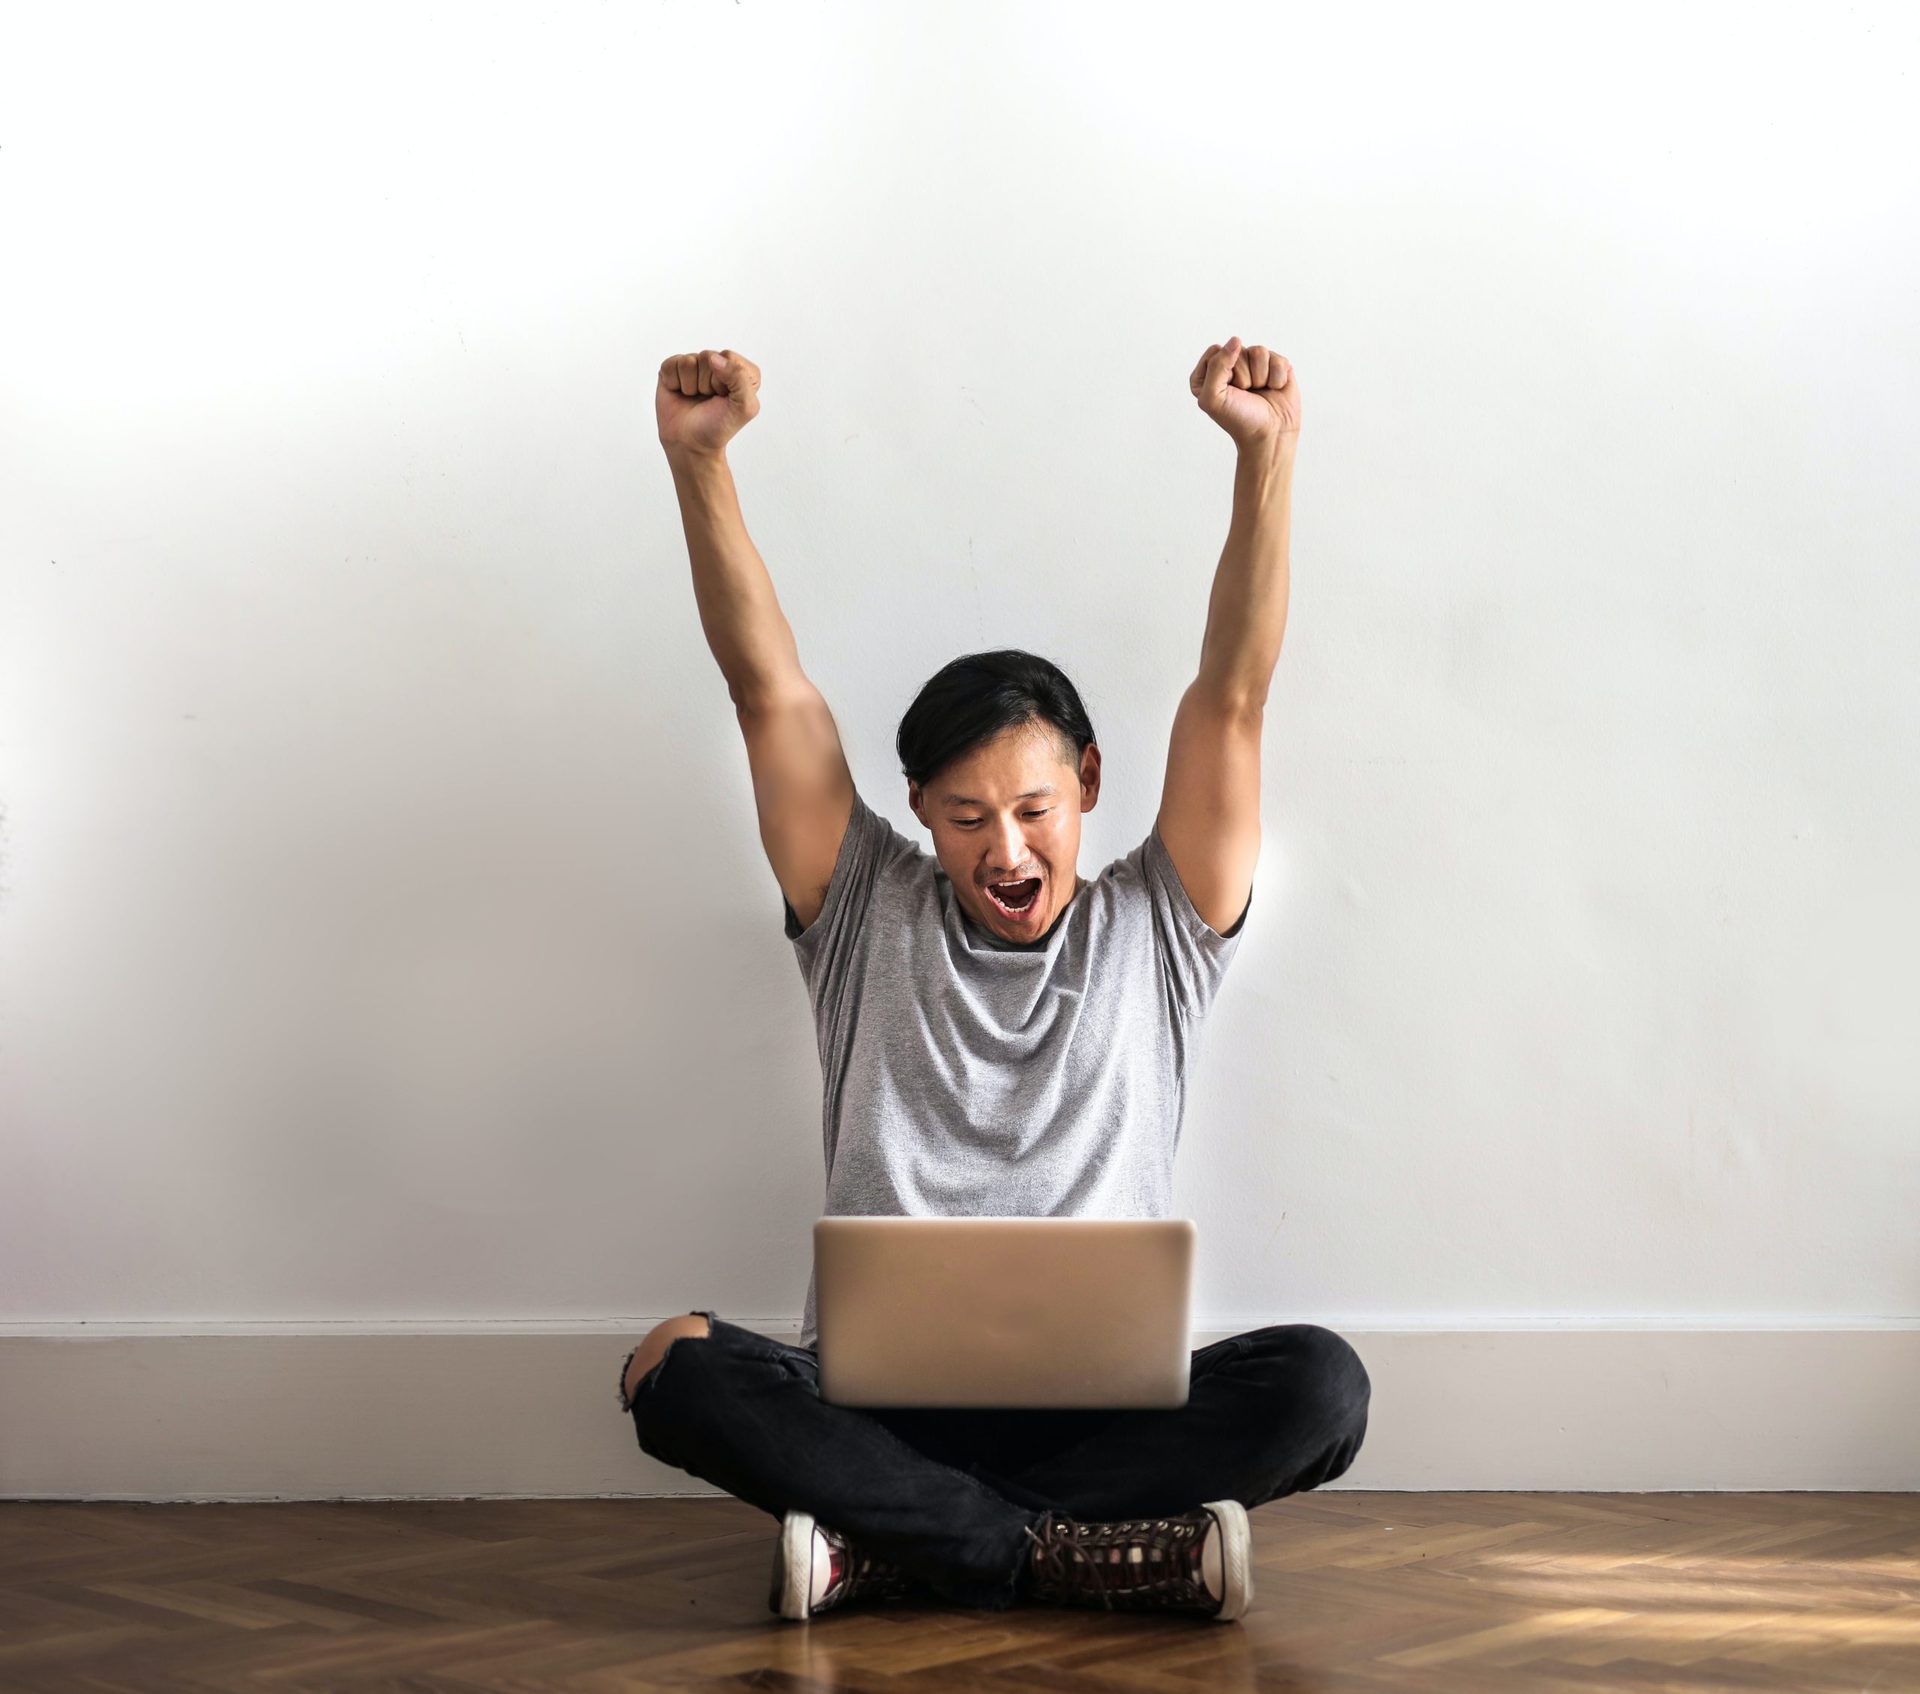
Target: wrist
column 697, row 466
column 1277, row 450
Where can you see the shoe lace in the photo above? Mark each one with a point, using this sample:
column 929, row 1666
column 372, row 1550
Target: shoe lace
column 1092, row 1558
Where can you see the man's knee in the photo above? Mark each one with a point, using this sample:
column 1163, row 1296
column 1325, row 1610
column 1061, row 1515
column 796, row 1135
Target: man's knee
column 1324, row 1364
column 1331, row 1389
column 654, row 1348
column 1342, row 1376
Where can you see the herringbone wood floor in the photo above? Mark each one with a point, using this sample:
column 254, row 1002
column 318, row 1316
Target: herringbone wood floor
column 1478, row 1593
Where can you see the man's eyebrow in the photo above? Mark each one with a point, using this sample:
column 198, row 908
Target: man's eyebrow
column 968, row 800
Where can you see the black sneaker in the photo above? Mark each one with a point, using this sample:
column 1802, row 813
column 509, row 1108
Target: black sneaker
column 816, row 1568
column 1199, row 1561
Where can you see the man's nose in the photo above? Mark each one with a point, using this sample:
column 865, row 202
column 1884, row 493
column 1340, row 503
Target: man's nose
column 1012, row 846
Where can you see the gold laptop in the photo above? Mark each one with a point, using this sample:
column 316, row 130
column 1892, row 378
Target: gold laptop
column 997, row 1311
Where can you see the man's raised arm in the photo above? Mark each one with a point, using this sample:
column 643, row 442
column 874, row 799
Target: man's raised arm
column 1210, row 805
column 802, row 787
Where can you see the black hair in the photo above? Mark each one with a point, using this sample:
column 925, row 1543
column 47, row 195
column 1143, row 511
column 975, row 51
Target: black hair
column 978, row 696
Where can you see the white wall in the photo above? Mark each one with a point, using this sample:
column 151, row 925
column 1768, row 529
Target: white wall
column 384, row 933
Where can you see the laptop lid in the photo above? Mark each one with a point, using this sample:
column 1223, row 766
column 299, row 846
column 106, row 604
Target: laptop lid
column 998, row 1311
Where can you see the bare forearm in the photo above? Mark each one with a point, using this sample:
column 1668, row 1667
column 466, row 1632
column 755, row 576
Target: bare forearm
column 739, row 611
column 1247, row 611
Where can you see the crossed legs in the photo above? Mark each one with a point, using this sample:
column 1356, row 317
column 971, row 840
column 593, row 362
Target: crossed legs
column 1270, row 1412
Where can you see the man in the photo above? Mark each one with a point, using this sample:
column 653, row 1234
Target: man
column 1000, row 1036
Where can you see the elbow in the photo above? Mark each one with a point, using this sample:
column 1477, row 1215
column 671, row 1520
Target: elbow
column 1241, row 699
column 772, row 695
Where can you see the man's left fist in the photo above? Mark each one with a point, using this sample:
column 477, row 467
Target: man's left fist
column 1248, row 392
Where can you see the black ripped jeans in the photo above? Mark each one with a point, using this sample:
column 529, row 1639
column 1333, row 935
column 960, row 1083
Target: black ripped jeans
column 948, row 1492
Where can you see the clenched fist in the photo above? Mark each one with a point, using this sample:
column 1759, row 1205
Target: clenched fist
column 1248, row 391
column 705, row 399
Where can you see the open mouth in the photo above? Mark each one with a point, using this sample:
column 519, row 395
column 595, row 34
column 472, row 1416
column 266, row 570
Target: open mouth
column 1016, row 900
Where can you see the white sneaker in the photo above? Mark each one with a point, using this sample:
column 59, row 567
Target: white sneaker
column 816, row 1568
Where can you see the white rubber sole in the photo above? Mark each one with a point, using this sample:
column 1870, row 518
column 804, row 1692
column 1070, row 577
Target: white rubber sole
column 793, row 1566
column 1236, row 1559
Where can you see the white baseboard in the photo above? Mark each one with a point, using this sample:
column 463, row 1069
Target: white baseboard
column 513, row 1410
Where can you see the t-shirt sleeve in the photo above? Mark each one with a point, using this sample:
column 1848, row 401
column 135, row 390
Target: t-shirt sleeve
column 828, row 944
column 1193, row 955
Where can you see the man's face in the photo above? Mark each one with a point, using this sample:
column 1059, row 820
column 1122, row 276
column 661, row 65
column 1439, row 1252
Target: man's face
column 1006, row 827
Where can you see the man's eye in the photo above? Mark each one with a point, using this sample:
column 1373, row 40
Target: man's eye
column 968, row 823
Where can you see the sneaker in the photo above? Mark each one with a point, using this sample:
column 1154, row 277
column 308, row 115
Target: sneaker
column 1198, row 1561
column 816, row 1568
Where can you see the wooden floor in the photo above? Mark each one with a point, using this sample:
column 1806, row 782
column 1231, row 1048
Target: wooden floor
column 1476, row 1593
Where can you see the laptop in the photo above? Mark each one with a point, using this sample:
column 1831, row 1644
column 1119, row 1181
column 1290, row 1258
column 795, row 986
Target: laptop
column 999, row 1311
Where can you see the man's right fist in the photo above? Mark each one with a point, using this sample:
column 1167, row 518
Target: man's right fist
column 705, row 399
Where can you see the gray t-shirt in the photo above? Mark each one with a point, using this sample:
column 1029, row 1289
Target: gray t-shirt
column 969, row 1076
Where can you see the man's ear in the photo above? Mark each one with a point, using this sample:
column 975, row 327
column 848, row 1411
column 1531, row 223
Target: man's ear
column 1090, row 776
column 916, row 798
